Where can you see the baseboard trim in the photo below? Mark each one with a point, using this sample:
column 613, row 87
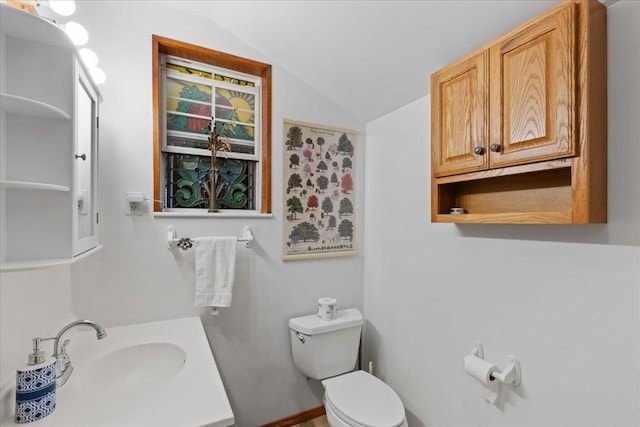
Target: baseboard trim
column 298, row 418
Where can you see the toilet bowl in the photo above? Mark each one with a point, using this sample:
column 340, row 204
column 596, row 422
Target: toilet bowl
column 358, row 399
column 327, row 350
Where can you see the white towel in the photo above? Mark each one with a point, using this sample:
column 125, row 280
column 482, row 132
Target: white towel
column 215, row 270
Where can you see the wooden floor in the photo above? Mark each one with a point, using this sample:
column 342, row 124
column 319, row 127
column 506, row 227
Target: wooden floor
column 316, row 422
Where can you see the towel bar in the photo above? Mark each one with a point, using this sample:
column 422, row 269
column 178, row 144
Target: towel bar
column 185, row 243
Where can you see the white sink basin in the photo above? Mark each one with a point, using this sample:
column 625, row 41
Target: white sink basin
column 159, row 374
column 129, row 371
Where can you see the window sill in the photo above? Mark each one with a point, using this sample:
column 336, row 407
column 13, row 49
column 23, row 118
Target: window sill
column 212, row 215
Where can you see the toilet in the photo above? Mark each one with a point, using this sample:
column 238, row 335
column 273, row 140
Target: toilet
column 327, row 350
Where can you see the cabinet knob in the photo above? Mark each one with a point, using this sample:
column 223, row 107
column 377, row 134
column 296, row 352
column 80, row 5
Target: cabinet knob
column 495, row 148
column 478, row 150
column 81, row 156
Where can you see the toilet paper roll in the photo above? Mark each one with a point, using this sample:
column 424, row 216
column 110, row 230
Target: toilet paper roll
column 327, row 308
column 36, row 391
column 481, row 370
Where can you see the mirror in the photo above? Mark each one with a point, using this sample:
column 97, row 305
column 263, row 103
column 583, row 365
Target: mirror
column 86, row 163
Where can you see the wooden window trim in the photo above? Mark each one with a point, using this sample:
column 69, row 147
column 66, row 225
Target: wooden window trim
column 163, row 45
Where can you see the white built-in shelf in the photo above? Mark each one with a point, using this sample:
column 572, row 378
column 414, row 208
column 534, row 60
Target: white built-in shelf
column 24, row 185
column 18, row 23
column 30, row 107
column 13, row 266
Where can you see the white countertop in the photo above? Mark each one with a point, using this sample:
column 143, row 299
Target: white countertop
column 194, row 396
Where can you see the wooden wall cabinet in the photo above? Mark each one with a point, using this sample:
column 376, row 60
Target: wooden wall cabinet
column 518, row 127
column 48, row 146
column 461, row 120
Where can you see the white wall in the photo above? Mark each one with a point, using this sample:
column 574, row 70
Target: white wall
column 136, row 279
column 564, row 299
column 32, row 304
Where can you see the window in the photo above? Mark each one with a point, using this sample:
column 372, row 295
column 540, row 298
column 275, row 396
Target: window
column 194, row 89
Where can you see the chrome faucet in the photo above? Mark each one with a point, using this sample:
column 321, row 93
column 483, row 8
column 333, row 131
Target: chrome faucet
column 60, row 352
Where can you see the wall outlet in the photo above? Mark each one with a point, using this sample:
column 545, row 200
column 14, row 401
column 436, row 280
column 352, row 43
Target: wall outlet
column 135, row 209
column 135, row 203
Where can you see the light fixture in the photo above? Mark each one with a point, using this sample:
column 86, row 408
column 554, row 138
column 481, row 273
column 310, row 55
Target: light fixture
column 63, row 7
column 76, row 33
column 89, row 57
column 97, row 75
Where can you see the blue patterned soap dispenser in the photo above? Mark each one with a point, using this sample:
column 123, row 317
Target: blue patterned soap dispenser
column 36, row 386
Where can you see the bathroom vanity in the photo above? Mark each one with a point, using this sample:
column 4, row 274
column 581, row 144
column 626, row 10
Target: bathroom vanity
column 149, row 374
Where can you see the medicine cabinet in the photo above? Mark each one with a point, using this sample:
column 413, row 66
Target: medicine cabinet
column 49, row 146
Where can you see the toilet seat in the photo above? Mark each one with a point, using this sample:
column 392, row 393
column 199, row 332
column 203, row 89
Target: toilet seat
column 363, row 400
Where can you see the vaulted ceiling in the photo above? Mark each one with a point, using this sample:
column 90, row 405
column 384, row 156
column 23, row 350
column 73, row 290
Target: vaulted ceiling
column 368, row 57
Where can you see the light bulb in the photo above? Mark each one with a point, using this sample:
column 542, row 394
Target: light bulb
column 63, row 7
column 76, row 33
column 89, row 57
column 97, row 75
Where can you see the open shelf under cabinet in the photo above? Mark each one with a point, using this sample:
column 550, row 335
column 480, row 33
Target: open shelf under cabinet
column 540, row 197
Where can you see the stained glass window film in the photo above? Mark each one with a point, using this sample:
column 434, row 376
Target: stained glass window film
column 179, row 119
column 190, row 101
column 188, row 106
column 188, row 182
column 195, row 95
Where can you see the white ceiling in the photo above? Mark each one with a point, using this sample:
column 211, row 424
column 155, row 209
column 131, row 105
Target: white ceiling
column 369, row 57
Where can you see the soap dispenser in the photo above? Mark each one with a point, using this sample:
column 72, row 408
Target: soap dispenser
column 36, row 386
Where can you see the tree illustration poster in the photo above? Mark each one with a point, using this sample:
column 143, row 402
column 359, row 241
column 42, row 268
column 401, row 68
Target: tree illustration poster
column 319, row 191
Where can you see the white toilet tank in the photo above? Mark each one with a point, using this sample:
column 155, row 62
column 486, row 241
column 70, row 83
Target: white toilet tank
column 326, row 348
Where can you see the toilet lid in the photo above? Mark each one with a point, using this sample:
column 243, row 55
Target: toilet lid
column 365, row 400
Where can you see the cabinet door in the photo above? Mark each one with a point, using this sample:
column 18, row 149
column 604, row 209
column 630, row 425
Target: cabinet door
column 533, row 91
column 459, row 116
column 86, row 164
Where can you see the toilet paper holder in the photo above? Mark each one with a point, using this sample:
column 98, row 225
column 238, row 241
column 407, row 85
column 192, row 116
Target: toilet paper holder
column 510, row 375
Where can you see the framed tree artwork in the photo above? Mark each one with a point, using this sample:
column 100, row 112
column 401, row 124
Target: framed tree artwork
column 319, row 191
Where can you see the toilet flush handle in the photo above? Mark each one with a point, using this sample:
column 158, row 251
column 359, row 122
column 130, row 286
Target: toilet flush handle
column 300, row 337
